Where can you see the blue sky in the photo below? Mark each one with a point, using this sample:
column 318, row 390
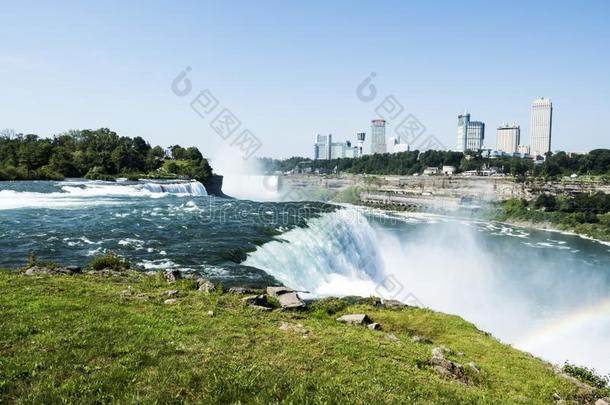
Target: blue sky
column 289, row 70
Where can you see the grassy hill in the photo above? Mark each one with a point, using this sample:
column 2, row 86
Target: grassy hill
column 92, row 338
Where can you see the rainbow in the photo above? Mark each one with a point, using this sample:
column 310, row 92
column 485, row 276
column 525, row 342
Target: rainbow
column 579, row 318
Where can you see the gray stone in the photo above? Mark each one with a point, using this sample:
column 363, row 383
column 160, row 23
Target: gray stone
column 290, row 300
column 170, row 301
column 419, row 339
column 260, row 307
column 171, row 293
column 74, row 269
column 210, row 313
column 171, row 276
column 35, row 270
column 474, row 366
column 441, row 351
column 374, row 326
column 257, row 300
column 355, row 319
column 289, row 327
column 240, row 290
column 277, row 291
column 204, row 285
column 603, row 401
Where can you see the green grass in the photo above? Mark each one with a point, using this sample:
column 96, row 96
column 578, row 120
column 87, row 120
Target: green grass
column 83, row 339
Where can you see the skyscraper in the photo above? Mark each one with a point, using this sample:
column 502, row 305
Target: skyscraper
column 542, row 117
column 508, row 138
column 322, row 147
column 378, row 141
column 470, row 134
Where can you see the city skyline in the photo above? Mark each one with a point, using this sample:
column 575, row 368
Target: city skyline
column 288, row 71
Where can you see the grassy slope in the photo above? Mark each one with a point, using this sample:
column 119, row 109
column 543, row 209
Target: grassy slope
column 79, row 339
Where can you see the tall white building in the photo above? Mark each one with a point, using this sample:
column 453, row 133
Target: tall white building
column 470, row 134
column 542, row 117
column 322, row 147
column 378, row 141
column 508, row 137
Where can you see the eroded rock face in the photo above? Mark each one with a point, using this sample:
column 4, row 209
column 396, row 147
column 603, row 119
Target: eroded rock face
column 355, row 319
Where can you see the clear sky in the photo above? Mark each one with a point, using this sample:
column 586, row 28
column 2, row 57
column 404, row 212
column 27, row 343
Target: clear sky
column 289, row 70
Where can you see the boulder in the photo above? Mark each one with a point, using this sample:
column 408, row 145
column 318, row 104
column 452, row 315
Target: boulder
column 204, row 285
column 171, row 276
column 603, row 401
column 290, row 300
column 74, row 269
column 275, row 292
column 446, row 367
column 171, row 293
column 38, row 270
column 170, row 301
column 355, row 319
column 374, row 326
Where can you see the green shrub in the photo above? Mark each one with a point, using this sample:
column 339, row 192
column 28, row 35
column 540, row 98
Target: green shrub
column 109, row 261
column 586, row 375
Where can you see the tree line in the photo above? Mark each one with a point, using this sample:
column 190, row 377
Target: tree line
column 596, row 162
column 95, row 154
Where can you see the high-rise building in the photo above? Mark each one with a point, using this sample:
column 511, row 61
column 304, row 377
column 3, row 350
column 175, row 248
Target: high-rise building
column 322, row 147
column 542, row 117
column 360, row 136
column 378, row 141
column 470, row 134
column 508, row 138
column 325, row 148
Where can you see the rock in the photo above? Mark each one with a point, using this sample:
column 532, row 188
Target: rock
column 171, row 276
column 374, row 326
column 474, row 366
column 240, row 290
column 74, row 269
column 35, row 270
column 355, row 319
column 257, row 301
column 150, row 273
column 392, row 337
column 171, row 293
column 289, row 327
column 603, row 401
column 260, row 307
column 441, row 351
column 275, row 292
column 210, row 313
column 445, row 366
column 419, row 339
column 393, row 304
column 290, row 300
column 170, row 301
column 204, row 285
